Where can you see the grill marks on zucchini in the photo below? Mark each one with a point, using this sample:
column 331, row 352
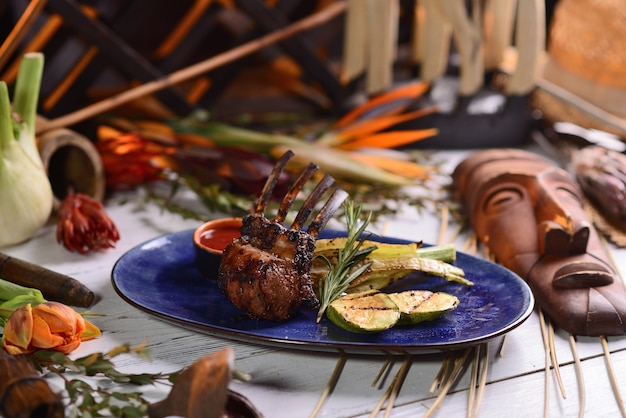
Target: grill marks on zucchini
column 422, row 305
column 373, row 311
column 364, row 312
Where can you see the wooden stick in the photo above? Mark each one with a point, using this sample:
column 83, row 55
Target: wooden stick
column 546, row 380
column 459, row 366
column 612, row 378
column 53, row 286
column 555, row 363
column 444, row 225
column 482, row 382
column 471, row 395
column 195, row 70
column 341, row 362
column 579, row 377
column 478, row 379
column 397, row 384
column 382, row 370
column 30, row 15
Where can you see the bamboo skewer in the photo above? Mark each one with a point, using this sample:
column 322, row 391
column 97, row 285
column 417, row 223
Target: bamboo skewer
column 334, row 378
column 382, row 370
column 397, row 384
column 444, row 225
column 579, row 377
column 480, row 366
column 195, row 70
column 555, row 363
column 473, row 384
column 455, row 368
column 546, row 346
column 393, row 389
column 612, row 378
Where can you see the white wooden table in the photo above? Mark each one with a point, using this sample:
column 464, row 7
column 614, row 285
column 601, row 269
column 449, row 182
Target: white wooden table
column 289, row 383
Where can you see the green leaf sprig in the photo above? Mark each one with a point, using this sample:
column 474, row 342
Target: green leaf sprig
column 90, row 400
column 343, row 272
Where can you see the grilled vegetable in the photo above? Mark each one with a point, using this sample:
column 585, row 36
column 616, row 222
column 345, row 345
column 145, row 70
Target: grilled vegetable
column 417, row 306
column 445, row 252
column 373, row 311
column 365, row 312
column 390, row 263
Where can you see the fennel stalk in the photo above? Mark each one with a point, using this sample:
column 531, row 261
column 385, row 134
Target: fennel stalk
column 26, row 197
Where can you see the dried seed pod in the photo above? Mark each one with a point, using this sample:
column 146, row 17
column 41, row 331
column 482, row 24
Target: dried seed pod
column 23, row 393
column 201, row 391
column 601, row 174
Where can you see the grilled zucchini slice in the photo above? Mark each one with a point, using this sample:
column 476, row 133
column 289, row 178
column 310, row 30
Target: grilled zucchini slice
column 417, row 306
column 365, row 312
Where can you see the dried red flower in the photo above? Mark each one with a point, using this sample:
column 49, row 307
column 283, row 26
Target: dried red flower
column 84, row 225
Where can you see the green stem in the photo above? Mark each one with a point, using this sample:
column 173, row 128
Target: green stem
column 230, row 136
column 27, row 86
column 25, row 99
column 443, row 252
column 6, row 126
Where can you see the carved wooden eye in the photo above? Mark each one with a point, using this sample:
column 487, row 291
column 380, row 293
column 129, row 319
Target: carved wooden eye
column 567, row 194
column 501, row 199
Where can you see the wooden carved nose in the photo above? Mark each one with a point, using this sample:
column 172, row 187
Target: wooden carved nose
column 557, row 241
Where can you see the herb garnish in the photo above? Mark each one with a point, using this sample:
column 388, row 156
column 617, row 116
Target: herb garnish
column 342, row 273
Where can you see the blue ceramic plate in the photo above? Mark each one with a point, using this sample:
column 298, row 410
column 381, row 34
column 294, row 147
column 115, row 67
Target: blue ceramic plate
column 160, row 277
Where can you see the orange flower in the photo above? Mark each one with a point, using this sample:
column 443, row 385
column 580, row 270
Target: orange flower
column 129, row 159
column 47, row 326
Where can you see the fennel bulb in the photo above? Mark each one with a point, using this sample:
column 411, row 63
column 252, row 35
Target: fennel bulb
column 26, row 197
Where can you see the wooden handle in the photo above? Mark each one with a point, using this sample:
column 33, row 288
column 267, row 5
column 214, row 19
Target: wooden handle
column 54, row 286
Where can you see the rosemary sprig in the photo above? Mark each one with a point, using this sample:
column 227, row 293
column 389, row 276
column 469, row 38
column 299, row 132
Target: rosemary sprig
column 342, row 273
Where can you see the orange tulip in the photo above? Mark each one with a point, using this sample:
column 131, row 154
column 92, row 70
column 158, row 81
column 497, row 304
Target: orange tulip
column 47, row 326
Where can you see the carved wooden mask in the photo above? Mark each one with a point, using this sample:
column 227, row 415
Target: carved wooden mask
column 530, row 215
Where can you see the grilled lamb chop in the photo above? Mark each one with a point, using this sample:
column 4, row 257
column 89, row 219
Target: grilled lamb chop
column 265, row 272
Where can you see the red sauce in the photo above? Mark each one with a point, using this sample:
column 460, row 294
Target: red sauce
column 218, row 239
